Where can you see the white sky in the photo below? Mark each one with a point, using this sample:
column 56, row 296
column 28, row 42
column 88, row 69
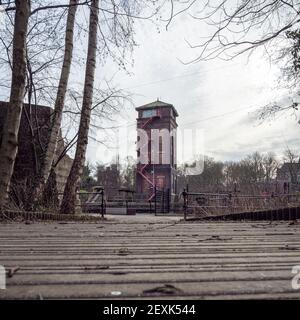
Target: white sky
column 216, row 96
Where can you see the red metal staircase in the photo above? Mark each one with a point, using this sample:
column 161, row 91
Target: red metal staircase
column 142, row 171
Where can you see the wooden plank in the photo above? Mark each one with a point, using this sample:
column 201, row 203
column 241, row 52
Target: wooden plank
column 151, row 261
column 146, row 277
column 202, row 290
column 133, row 254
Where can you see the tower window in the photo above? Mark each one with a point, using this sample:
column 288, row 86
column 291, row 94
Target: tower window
column 149, row 113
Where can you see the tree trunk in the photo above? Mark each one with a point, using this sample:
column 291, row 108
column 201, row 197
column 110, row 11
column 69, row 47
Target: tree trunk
column 69, row 198
column 9, row 141
column 43, row 176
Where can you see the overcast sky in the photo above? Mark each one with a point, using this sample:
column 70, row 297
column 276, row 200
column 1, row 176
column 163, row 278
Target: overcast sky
column 217, row 96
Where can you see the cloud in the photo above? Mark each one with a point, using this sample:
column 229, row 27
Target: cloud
column 216, row 96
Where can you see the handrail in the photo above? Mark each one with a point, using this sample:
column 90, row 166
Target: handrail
column 228, row 203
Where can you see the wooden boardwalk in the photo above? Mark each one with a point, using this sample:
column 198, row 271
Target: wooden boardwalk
column 148, row 257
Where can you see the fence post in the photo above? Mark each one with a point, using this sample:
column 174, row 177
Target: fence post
column 163, row 201
column 168, row 200
column 126, row 204
column 102, row 204
column 187, row 191
column 155, row 200
column 185, row 195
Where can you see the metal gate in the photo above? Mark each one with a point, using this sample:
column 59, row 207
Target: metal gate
column 162, row 201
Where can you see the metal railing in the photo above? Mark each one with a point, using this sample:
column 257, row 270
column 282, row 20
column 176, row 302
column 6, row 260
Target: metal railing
column 125, row 202
column 121, row 201
column 214, row 205
column 92, row 202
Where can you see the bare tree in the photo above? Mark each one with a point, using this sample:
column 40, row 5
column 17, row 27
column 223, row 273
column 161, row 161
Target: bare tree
column 273, row 110
column 241, row 26
column 291, row 158
column 44, row 50
column 270, row 165
column 9, row 141
column 45, row 35
column 44, row 56
column 44, row 172
column 69, row 198
column 253, row 174
column 107, row 103
column 129, row 173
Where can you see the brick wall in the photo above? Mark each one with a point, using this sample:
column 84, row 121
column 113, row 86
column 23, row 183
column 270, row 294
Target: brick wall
column 33, row 136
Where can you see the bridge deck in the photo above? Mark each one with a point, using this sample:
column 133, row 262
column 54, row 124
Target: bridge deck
column 148, row 257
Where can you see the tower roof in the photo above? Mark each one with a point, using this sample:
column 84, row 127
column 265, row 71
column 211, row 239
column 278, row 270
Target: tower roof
column 157, row 104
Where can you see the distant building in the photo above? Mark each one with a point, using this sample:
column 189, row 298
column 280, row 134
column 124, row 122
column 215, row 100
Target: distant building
column 158, row 174
column 288, row 177
column 109, row 178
